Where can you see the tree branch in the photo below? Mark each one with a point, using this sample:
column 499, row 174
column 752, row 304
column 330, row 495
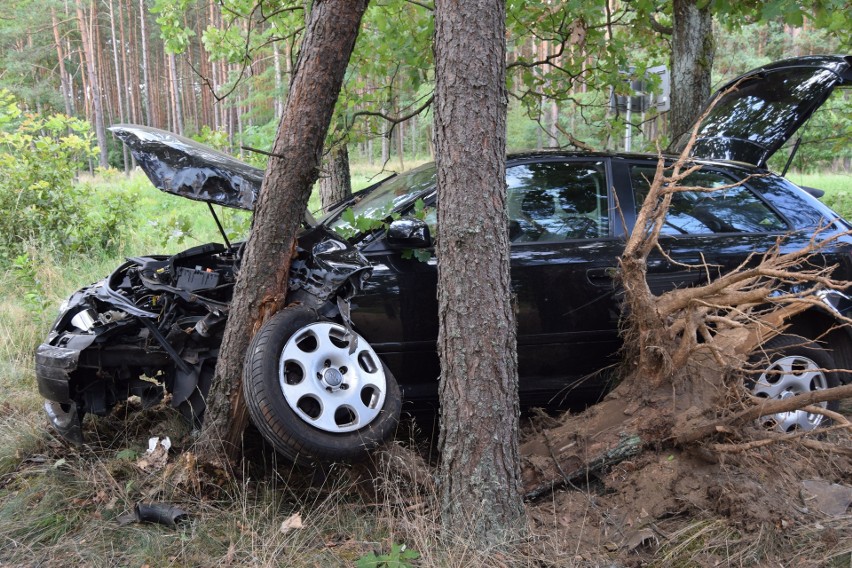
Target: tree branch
column 658, row 27
column 765, row 408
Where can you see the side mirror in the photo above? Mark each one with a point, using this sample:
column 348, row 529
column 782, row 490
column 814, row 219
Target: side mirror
column 409, row 233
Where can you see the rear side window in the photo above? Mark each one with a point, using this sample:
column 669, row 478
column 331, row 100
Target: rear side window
column 732, row 210
column 557, row 201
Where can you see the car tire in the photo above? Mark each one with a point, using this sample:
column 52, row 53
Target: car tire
column 788, row 365
column 312, row 399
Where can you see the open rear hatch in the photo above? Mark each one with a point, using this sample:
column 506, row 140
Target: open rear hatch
column 766, row 108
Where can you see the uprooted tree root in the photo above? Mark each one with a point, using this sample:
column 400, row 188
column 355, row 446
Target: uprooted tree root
column 686, row 354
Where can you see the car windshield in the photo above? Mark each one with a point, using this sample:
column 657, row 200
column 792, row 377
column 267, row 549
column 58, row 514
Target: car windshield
column 393, row 195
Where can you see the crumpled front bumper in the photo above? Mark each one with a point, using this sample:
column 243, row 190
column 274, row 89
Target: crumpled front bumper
column 54, row 366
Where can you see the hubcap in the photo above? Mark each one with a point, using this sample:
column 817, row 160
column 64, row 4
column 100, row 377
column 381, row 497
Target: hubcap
column 787, row 377
column 325, row 385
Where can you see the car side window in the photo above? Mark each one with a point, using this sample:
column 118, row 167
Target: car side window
column 731, row 210
column 557, row 201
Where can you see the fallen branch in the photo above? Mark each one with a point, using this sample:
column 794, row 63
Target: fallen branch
column 799, row 437
column 765, row 408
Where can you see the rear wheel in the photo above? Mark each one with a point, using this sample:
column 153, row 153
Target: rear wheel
column 789, row 365
column 312, row 394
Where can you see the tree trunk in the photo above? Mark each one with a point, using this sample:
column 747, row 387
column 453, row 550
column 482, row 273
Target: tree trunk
column 336, row 184
column 481, row 491
column 692, row 60
column 94, row 83
column 177, row 112
column 261, row 285
column 278, row 98
column 63, row 73
column 146, row 58
column 385, row 143
column 122, row 114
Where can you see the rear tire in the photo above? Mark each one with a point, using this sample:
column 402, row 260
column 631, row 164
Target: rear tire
column 312, row 399
column 789, row 365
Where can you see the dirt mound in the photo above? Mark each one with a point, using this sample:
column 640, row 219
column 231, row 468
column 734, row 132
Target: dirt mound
column 674, row 506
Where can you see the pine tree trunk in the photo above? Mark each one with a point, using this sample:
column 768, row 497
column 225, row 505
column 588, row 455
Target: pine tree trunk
column 63, row 73
column 146, row 57
column 261, row 285
column 481, row 491
column 94, row 83
column 692, row 60
column 278, row 98
column 122, row 114
column 335, row 184
column 175, row 95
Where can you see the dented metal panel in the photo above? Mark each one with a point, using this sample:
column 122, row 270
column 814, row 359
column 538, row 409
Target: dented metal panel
column 184, row 167
column 325, row 264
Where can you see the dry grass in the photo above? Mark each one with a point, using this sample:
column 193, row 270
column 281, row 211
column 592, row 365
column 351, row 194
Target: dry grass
column 60, row 506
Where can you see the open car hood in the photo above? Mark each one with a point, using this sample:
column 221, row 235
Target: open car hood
column 184, row 167
column 769, row 104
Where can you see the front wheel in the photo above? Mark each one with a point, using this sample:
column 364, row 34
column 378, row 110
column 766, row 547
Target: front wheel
column 312, row 395
column 789, row 365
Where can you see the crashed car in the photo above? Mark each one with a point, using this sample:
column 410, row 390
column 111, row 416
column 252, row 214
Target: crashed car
column 326, row 378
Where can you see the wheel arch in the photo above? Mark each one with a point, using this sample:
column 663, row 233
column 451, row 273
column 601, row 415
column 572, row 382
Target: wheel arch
column 828, row 331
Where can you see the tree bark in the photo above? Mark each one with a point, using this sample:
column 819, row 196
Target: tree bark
column 174, row 89
column 693, row 47
column 261, row 285
column 122, row 114
column 63, row 73
column 94, row 83
column 146, row 58
column 335, row 184
column 481, row 491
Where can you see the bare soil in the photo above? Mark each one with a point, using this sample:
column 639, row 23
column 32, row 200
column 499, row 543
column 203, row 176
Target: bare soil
column 670, row 507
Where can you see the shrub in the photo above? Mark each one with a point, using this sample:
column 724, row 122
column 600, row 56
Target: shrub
column 39, row 160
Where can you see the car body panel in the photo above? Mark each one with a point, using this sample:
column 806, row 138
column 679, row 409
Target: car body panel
column 184, row 167
column 766, row 108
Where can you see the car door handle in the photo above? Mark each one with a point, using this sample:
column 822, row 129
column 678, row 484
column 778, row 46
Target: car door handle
column 602, row 276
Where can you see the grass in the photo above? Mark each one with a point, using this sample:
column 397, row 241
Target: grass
column 837, row 187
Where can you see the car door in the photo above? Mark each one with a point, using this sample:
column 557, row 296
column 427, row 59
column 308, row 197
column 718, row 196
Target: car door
column 564, row 252
column 562, row 258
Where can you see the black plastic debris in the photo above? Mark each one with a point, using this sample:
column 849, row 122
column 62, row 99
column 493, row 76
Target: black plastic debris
column 157, row 513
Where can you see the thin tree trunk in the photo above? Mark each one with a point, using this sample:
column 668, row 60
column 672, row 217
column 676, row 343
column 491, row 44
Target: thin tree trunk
column 261, row 285
column 335, row 184
column 692, row 60
column 278, row 99
column 133, row 67
column 92, row 73
column 400, row 144
column 122, row 114
column 177, row 113
column 63, row 73
column 480, row 472
column 385, row 143
column 146, row 95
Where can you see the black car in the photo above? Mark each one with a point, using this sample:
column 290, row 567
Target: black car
column 328, row 378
